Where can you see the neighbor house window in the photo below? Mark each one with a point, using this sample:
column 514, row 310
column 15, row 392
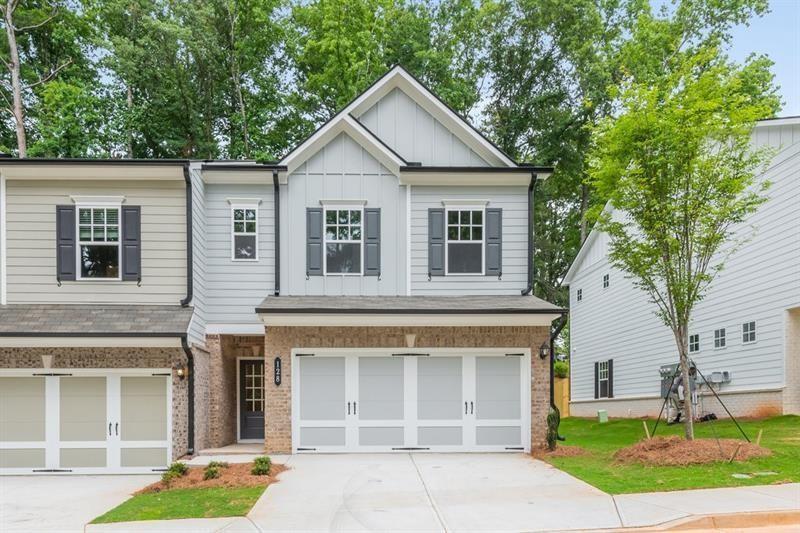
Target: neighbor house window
column 343, row 241
column 98, row 242
column 580, row 294
column 245, row 233
column 605, row 281
column 465, row 241
column 694, row 343
column 602, row 378
column 719, row 338
column 748, row 332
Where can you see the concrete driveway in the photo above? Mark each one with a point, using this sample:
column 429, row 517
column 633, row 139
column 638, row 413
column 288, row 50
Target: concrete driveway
column 429, row 492
column 61, row 503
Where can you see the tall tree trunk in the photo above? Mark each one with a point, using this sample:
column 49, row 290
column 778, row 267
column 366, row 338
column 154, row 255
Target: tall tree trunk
column 237, row 80
column 16, row 84
column 129, row 126
column 584, row 209
column 682, row 340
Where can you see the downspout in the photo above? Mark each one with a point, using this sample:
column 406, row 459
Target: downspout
column 277, row 197
column 556, row 330
column 190, row 371
column 189, row 231
column 531, row 187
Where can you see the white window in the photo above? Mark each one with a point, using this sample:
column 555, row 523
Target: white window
column 344, row 241
column 719, row 338
column 694, row 343
column 464, row 251
column 580, row 294
column 748, row 332
column 605, row 281
column 602, row 379
column 98, row 243
column 244, row 232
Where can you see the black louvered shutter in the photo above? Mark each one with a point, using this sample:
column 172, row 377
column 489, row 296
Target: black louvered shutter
column 66, row 251
column 372, row 242
column 610, row 378
column 436, row 242
column 314, row 241
column 596, row 380
column 131, row 243
column 494, row 242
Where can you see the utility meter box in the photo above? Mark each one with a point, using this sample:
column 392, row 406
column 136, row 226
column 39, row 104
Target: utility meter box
column 667, row 373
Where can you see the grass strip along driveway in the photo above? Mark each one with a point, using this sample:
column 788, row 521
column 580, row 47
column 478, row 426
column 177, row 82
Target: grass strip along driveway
column 600, row 441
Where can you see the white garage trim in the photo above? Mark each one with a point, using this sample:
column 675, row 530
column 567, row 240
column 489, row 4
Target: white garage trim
column 347, row 429
column 114, row 445
column 410, row 319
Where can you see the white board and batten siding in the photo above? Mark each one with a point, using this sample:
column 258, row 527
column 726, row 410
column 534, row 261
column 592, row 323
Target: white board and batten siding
column 760, row 282
column 31, row 242
column 343, row 170
column 514, row 203
column 415, row 134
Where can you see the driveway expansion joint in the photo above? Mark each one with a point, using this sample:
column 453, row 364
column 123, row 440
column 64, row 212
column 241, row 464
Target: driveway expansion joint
column 428, row 494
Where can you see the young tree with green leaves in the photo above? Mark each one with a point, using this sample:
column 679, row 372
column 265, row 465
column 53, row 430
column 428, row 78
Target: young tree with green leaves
column 680, row 172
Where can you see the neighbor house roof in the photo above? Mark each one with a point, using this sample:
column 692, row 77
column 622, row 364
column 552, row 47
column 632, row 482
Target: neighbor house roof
column 94, row 320
column 408, row 305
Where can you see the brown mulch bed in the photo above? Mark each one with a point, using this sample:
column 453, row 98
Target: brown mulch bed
column 677, row 451
column 560, row 451
column 235, row 475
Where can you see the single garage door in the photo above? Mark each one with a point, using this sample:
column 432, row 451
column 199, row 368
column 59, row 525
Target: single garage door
column 367, row 401
column 84, row 421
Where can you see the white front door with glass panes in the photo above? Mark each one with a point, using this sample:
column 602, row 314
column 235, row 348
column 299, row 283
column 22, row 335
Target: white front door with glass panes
column 343, row 241
column 99, row 252
column 352, row 400
column 464, row 251
column 85, row 421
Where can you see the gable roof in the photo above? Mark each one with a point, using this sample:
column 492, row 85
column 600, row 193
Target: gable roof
column 397, row 77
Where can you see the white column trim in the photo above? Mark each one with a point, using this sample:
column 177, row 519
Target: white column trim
column 3, row 254
column 408, row 240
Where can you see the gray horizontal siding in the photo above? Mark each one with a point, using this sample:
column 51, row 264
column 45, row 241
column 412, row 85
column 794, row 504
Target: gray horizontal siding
column 342, row 170
column 31, row 237
column 514, row 203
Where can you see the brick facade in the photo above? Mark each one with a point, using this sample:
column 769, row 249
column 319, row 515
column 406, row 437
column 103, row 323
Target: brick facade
column 279, row 341
column 116, row 358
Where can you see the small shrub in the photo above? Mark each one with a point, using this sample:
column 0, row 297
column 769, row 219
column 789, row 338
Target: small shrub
column 561, row 369
column 261, row 466
column 211, row 472
column 179, row 468
column 217, row 464
column 169, row 476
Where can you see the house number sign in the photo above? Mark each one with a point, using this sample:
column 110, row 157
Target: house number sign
column 277, row 371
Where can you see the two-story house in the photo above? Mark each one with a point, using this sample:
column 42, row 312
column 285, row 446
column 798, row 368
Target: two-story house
column 744, row 335
column 370, row 291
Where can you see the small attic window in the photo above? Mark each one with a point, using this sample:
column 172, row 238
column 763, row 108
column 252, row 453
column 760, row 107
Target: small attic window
column 580, row 294
column 605, row 281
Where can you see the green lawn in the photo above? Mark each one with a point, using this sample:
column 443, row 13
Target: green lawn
column 184, row 503
column 597, row 467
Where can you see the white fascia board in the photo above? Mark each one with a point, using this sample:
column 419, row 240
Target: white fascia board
column 238, row 177
column 343, row 123
column 400, row 320
column 778, row 121
column 234, row 329
column 587, row 245
column 90, row 342
column 477, row 179
column 400, row 79
column 91, row 172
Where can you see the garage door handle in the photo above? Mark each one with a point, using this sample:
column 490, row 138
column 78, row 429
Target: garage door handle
column 354, row 408
column 116, row 429
column 109, row 429
column 471, row 408
column 466, row 412
column 348, row 408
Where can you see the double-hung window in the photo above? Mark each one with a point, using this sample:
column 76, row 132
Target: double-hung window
column 344, row 240
column 719, row 338
column 464, row 248
column 602, row 379
column 748, row 332
column 98, row 243
column 605, row 281
column 694, row 343
column 244, row 230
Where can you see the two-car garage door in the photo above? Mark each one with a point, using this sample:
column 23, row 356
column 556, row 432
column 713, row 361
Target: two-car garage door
column 442, row 400
column 84, row 421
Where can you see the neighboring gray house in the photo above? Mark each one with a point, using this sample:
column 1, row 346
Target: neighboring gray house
column 368, row 292
column 748, row 325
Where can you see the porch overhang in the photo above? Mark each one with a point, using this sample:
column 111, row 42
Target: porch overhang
column 398, row 311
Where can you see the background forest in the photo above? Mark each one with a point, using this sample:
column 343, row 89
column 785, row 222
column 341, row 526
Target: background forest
column 250, row 78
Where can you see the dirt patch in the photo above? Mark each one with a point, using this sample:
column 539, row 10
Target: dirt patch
column 560, row 451
column 235, row 475
column 677, row 451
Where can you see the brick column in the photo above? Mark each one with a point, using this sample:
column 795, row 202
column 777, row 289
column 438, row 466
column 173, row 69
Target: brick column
column 278, row 398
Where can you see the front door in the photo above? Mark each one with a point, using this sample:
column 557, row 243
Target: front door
column 251, row 399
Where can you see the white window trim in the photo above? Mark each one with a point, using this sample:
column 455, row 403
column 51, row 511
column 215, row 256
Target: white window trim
column 253, row 206
column 79, row 243
column 333, row 205
column 579, row 295
column 755, row 332
column 724, row 337
column 464, row 207
column 464, row 203
column 690, row 342
column 606, row 281
column 601, row 379
column 97, row 201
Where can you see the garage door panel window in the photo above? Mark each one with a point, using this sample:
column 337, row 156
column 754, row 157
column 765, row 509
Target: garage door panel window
column 497, row 388
column 143, row 402
column 439, row 388
column 380, row 388
column 322, row 396
column 22, row 409
column 82, row 409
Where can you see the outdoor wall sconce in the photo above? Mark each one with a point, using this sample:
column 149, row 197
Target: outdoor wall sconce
column 181, row 371
column 544, row 350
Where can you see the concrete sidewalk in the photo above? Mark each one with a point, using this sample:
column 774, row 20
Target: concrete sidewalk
column 460, row 492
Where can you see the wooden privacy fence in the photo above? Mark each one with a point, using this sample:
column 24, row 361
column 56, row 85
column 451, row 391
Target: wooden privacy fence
column 561, row 394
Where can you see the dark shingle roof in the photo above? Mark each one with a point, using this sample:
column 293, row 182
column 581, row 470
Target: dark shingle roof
column 94, row 320
column 408, row 304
